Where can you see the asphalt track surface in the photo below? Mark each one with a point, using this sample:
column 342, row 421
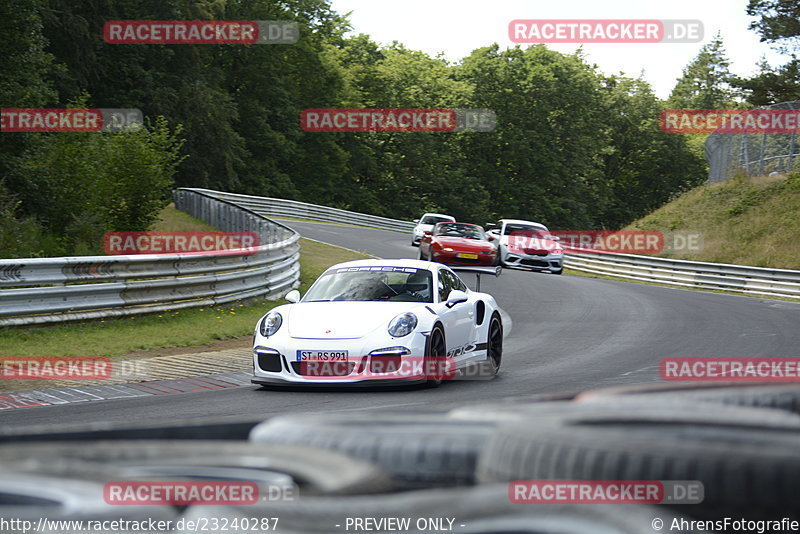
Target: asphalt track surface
column 569, row 334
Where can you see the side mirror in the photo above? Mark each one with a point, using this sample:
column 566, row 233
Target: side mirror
column 456, row 297
column 427, row 232
column 555, row 238
column 292, row 296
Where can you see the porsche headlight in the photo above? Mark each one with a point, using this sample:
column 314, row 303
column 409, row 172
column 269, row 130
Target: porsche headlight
column 270, row 324
column 447, row 249
column 402, row 325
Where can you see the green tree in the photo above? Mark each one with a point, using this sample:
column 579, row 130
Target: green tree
column 540, row 163
column 643, row 167
column 100, row 182
column 706, row 82
column 778, row 21
column 772, row 85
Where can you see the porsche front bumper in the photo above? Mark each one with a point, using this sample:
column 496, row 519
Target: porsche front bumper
column 387, row 361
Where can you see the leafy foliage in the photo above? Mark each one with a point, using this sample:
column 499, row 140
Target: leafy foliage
column 572, row 148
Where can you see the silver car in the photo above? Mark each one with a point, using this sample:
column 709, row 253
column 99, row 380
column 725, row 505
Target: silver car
column 528, row 244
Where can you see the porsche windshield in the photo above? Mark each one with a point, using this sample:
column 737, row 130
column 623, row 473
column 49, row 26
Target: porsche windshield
column 373, row 284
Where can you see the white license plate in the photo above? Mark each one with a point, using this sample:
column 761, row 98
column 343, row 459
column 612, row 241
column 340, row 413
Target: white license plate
column 322, row 355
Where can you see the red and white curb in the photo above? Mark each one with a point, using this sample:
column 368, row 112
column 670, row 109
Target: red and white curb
column 69, row 395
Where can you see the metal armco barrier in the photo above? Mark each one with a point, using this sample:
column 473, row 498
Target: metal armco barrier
column 277, row 207
column 48, row 290
column 736, row 278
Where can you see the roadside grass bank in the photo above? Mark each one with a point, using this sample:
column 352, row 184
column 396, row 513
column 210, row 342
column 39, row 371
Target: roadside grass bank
column 744, row 221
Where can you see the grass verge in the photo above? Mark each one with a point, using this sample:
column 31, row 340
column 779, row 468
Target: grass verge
column 744, row 221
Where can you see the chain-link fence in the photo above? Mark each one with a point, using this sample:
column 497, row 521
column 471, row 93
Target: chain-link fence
column 753, row 154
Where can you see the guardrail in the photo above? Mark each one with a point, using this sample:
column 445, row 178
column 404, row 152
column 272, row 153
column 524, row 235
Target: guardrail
column 48, row 290
column 721, row 276
column 277, row 207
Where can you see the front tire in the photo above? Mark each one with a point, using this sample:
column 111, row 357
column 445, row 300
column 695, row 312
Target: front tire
column 435, row 357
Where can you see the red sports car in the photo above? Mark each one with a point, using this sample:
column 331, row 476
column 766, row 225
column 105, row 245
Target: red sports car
column 458, row 244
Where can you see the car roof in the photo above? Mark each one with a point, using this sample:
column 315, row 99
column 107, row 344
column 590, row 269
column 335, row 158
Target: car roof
column 521, row 221
column 417, row 264
column 438, row 215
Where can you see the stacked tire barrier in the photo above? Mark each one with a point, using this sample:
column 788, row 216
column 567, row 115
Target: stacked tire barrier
column 50, row 290
column 454, row 470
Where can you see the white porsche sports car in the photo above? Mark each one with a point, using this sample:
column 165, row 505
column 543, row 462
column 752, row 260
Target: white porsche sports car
column 369, row 321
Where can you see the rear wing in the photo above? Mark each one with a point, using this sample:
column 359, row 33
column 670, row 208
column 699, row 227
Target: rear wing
column 478, row 271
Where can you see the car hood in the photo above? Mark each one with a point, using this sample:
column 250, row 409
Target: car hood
column 342, row 319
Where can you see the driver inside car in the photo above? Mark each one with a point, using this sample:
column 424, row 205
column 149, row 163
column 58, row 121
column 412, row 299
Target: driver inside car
column 417, row 288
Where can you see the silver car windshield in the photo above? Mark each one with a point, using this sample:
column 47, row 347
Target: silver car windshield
column 520, row 228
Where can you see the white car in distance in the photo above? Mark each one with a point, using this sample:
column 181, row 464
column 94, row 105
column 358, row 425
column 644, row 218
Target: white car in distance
column 426, row 224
